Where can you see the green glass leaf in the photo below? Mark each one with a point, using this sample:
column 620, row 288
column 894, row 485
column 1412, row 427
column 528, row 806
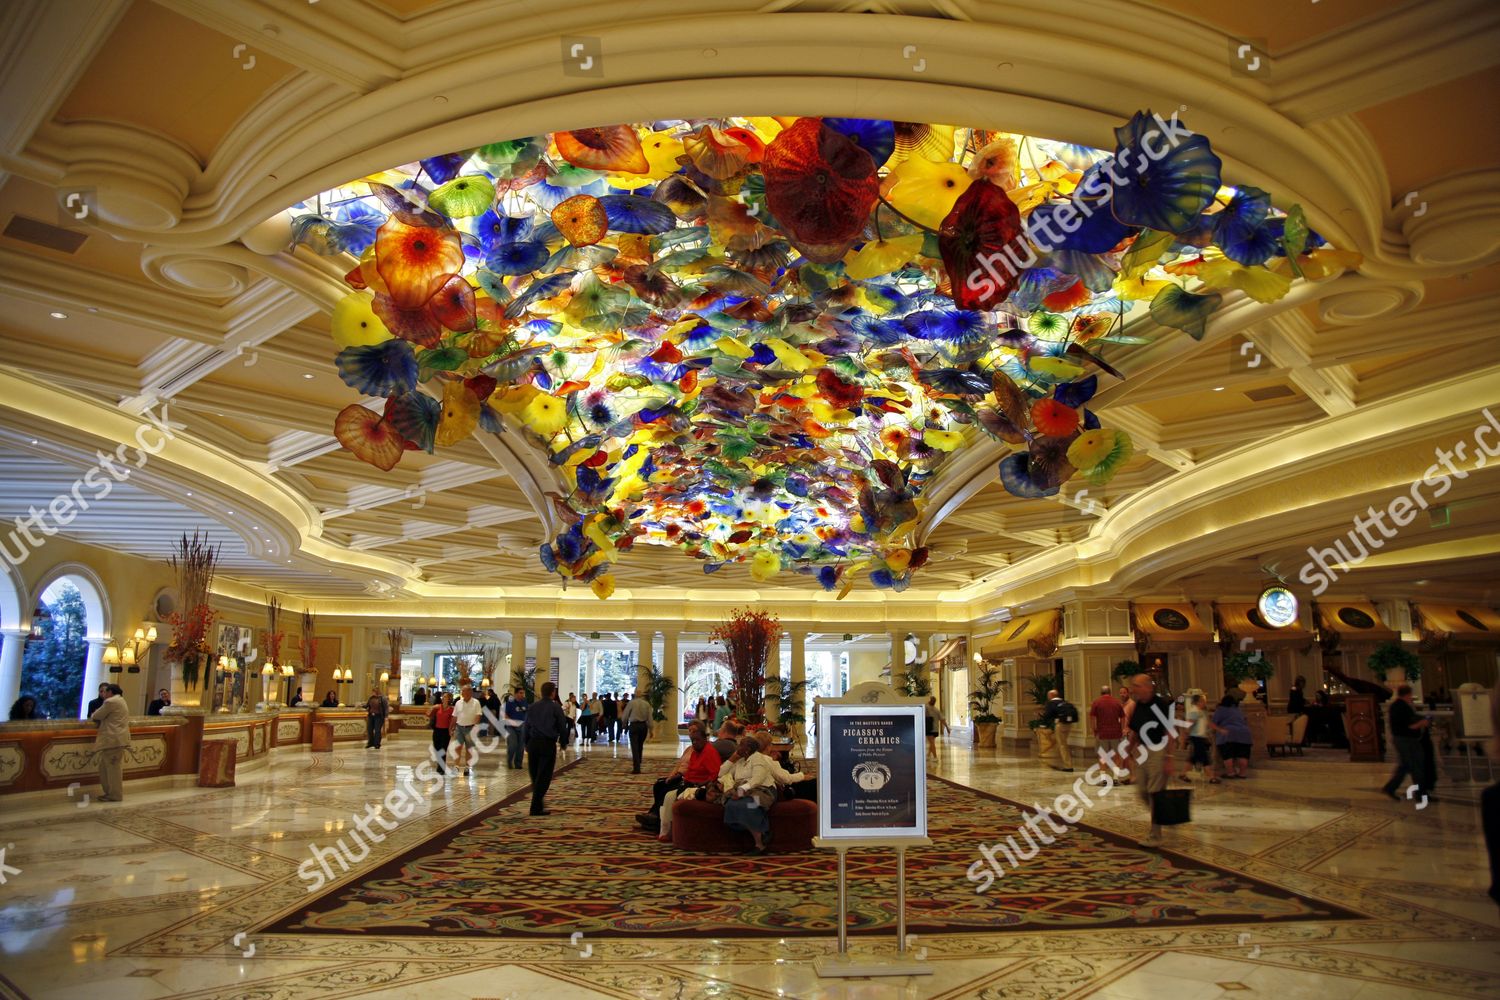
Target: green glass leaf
column 1144, row 253
column 1184, row 310
column 1294, row 237
column 444, row 359
column 463, row 197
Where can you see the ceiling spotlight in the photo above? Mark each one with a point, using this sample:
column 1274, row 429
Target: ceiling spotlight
column 1218, row 388
column 58, row 315
column 33, row 440
column 189, row 494
column 307, row 374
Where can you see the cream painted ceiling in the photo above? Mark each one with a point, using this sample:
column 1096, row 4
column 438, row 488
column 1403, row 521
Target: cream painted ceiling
column 1408, row 95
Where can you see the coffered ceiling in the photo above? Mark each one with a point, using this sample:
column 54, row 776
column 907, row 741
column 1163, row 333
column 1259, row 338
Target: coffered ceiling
column 182, row 125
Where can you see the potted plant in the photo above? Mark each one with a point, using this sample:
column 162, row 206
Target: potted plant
column 791, row 702
column 1124, row 670
column 1396, row 663
column 658, row 687
column 1247, row 670
column 915, row 682
column 981, row 702
column 1037, row 687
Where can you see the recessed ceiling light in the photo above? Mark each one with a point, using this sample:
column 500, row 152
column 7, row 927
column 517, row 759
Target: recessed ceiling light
column 1218, row 388
column 33, row 440
column 58, row 315
column 189, row 494
column 229, row 512
column 307, row 374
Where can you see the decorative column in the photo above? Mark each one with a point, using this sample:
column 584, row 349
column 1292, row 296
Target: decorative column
column 93, row 673
column 517, row 667
column 799, row 676
column 645, row 638
column 11, row 655
column 672, row 665
column 898, row 658
column 543, row 656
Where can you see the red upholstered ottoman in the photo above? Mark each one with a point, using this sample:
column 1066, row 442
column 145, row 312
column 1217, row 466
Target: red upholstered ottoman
column 699, row 826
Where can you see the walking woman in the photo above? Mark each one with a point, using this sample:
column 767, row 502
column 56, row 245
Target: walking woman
column 442, row 730
column 586, row 720
column 571, row 711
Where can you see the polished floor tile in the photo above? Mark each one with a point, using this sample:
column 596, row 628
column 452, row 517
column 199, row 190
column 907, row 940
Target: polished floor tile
column 161, row 896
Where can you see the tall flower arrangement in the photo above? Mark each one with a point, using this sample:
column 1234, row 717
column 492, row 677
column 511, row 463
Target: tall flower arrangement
column 397, row 639
column 749, row 638
column 274, row 635
column 194, row 560
column 309, row 641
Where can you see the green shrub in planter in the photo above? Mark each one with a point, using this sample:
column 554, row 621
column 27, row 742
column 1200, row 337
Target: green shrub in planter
column 1390, row 655
column 1241, row 665
column 1124, row 670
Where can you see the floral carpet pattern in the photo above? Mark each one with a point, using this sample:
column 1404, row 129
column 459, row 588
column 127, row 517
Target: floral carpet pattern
column 589, row 868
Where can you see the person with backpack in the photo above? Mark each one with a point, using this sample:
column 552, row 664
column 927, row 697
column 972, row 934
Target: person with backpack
column 1063, row 715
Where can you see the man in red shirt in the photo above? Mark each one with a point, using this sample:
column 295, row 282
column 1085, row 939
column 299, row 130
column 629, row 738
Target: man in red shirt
column 1107, row 717
column 698, row 765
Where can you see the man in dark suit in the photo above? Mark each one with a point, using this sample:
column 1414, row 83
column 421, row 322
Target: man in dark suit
column 611, row 715
column 544, row 725
column 88, row 713
column 1412, row 735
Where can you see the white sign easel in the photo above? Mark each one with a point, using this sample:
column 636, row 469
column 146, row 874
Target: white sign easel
column 874, row 708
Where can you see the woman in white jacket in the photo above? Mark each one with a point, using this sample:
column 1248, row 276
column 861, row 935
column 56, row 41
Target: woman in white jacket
column 750, row 781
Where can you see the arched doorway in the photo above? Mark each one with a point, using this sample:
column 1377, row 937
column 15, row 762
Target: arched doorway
column 64, row 659
column 705, row 674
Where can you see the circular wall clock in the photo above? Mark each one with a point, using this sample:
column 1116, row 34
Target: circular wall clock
column 1278, row 606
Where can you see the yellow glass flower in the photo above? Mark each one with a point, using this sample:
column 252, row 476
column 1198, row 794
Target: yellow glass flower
column 460, row 414
column 925, row 190
column 879, row 257
column 545, row 414
column 355, row 323
column 764, row 566
column 942, row 440
column 603, row 586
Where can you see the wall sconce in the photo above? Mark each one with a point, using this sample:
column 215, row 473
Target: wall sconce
column 385, row 677
column 130, row 653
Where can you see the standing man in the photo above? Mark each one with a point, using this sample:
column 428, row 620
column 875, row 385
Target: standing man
column 1412, row 735
column 467, row 712
column 376, row 709
column 543, row 726
column 1062, row 714
column 1107, row 716
column 1148, row 724
column 163, row 699
column 112, row 741
column 515, row 718
column 636, row 720
column 611, row 715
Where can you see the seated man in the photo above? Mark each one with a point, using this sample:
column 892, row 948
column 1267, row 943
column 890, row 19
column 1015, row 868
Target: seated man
column 729, row 738
column 698, row 765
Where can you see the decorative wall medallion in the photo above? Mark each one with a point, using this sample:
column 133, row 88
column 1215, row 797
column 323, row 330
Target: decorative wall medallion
column 1472, row 622
column 1171, row 619
column 1355, row 618
column 1278, row 606
column 12, row 763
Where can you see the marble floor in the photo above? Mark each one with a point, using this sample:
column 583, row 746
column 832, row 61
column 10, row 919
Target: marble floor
column 162, row 896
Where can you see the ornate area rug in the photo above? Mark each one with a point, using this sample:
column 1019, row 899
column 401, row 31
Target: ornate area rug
column 589, row 868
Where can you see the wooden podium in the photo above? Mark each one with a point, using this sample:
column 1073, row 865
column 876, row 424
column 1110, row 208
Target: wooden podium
column 1362, row 725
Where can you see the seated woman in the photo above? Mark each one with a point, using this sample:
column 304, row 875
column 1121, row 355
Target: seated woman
column 330, row 700
column 750, row 781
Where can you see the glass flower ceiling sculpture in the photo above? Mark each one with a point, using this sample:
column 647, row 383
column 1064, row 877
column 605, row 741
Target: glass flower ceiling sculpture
column 757, row 339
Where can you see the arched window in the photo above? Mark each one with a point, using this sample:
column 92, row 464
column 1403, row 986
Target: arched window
column 53, row 667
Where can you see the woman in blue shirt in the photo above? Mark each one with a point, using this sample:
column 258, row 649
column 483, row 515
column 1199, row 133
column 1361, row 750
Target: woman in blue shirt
column 1233, row 737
